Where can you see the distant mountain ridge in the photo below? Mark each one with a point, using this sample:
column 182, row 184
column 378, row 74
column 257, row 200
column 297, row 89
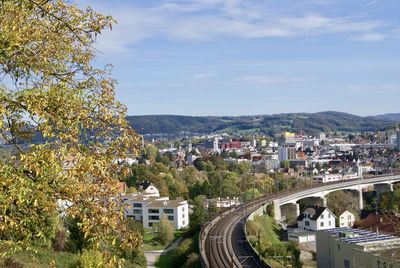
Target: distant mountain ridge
column 394, row 117
column 311, row 123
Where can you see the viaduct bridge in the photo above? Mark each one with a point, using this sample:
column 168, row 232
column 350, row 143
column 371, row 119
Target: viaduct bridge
column 359, row 185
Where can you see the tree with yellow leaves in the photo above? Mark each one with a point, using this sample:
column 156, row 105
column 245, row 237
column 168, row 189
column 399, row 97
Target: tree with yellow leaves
column 48, row 86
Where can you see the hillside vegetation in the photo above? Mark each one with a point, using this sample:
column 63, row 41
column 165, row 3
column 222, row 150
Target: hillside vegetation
column 270, row 124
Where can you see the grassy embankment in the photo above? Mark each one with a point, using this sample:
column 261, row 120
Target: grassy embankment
column 186, row 254
column 263, row 234
column 42, row 258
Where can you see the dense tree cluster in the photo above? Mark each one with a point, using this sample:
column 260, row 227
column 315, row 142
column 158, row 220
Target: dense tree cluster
column 210, row 176
column 49, row 87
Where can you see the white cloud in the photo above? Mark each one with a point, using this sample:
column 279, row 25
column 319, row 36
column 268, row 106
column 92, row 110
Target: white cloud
column 371, row 89
column 370, row 37
column 199, row 76
column 372, row 3
column 267, row 80
column 212, row 19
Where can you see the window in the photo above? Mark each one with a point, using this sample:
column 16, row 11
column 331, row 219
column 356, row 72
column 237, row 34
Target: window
column 183, row 222
column 171, row 218
column 137, row 205
column 137, row 211
column 150, row 224
column 329, row 215
column 349, row 217
column 338, row 247
column 183, row 215
column 183, row 208
column 168, row 211
column 322, row 216
column 154, row 218
column 307, row 223
column 346, row 263
column 154, row 211
column 329, row 223
column 322, row 224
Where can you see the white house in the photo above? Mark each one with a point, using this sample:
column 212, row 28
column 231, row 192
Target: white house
column 222, row 202
column 149, row 209
column 334, row 177
column 346, row 219
column 315, row 218
column 147, row 188
column 125, row 161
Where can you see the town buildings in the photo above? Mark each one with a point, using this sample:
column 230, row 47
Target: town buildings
column 398, row 140
column 326, row 178
column 222, row 202
column 286, row 153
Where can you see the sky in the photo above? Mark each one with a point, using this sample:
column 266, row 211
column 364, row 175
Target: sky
column 248, row 57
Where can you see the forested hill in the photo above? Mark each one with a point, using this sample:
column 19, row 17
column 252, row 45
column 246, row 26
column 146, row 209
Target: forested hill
column 388, row 117
column 270, row 124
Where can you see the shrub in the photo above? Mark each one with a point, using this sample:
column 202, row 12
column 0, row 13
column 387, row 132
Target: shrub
column 59, row 242
column 165, row 230
column 179, row 255
column 251, row 228
column 11, row 263
column 91, row 259
column 269, row 209
column 192, row 261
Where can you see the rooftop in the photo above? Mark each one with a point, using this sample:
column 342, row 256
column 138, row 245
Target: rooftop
column 141, row 198
column 372, row 241
column 167, row 203
column 314, row 211
column 384, row 223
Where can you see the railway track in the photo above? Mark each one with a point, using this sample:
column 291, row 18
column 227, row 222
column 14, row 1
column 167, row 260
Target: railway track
column 226, row 245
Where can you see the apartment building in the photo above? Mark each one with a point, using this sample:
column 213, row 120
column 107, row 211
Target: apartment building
column 149, row 209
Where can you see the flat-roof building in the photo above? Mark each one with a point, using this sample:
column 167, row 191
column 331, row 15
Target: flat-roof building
column 149, row 209
column 352, row 248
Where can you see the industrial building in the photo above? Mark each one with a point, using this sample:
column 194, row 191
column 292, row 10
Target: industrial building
column 352, row 248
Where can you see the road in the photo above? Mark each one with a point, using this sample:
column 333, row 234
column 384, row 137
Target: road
column 222, row 242
column 151, row 257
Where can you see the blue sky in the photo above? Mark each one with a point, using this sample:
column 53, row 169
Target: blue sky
column 243, row 57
